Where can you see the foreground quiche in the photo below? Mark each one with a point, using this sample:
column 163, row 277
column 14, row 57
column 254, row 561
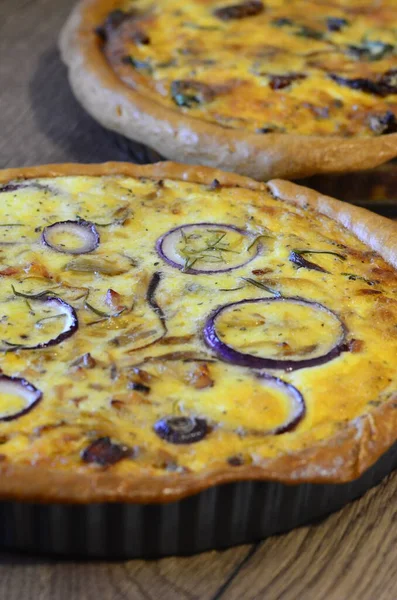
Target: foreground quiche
column 266, row 88
column 167, row 328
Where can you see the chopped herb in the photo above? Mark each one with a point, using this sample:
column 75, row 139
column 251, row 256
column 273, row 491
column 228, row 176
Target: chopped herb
column 308, row 32
column 30, row 307
column 261, row 286
column 320, row 252
column 95, row 265
column 210, row 252
column 370, row 50
column 269, row 128
column 189, row 93
column 200, row 27
column 258, row 237
column 11, row 225
column 282, row 22
column 140, row 65
column 354, row 277
column 240, row 287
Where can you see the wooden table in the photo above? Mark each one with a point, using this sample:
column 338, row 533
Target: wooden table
column 350, row 556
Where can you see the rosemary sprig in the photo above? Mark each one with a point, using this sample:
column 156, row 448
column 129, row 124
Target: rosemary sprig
column 354, row 277
column 211, row 252
column 341, row 256
column 258, row 237
column 262, row 286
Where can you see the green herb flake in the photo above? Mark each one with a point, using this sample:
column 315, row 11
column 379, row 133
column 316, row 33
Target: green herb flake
column 320, row 252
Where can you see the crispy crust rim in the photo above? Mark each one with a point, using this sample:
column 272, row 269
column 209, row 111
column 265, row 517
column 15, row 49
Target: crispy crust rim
column 191, row 140
column 341, row 459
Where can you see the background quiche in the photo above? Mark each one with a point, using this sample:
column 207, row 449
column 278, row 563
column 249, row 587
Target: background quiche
column 270, row 88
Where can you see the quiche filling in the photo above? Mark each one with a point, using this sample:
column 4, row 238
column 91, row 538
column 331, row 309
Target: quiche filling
column 280, row 66
column 166, row 326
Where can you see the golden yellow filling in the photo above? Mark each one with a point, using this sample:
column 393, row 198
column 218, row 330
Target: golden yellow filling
column 155, row 376
column 280, row 66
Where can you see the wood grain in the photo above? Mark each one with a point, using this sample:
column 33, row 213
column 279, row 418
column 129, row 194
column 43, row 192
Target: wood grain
column 350, row 556
column 194, row 578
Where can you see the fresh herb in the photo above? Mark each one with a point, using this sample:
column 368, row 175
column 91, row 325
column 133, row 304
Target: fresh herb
column 140, row 65
column 240, row 287
column 308, row 32
column 212, row 250
column 30, row 307
column 95, row 265
column 200, row 27
column 262, row 286
column 270, row 128
column 189, row 93
column 370, row 50
column 320, row 252
column 354, row 277
column 11, row 225
column 258, row 237
column 282, row 22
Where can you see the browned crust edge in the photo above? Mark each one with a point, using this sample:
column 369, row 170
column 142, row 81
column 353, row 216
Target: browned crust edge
column 191, row 140
column 341, row 459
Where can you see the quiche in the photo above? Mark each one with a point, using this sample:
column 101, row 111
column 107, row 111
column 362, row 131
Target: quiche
column 275, row 88
column 166, row 328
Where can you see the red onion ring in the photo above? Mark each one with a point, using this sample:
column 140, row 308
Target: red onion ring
column 22, row 388
column 164, row 247
column 228, row 354
column 297, row 401
column 70, row 328
column 84, row 230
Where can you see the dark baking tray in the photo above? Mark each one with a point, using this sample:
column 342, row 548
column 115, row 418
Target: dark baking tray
column 222, row 516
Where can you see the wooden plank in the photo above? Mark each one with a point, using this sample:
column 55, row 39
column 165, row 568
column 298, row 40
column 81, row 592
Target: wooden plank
column 349, row 556
column 189, row 578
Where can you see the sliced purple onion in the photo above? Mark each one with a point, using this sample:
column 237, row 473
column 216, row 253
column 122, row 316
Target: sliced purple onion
column 181, row 430
column 297, row 402
column 62, row 308
column 229, row 354
column 216, row 255
column 84, row 231
column 16, row 386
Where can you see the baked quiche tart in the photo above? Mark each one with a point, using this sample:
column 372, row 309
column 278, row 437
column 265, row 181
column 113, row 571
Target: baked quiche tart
column 276, row 88
column 167, row 328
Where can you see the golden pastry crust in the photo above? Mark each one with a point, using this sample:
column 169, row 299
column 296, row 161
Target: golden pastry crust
column 344, row 457
column 178, row 136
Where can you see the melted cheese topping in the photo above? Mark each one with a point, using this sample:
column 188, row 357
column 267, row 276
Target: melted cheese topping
column 269, row 72
column 133, row 361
